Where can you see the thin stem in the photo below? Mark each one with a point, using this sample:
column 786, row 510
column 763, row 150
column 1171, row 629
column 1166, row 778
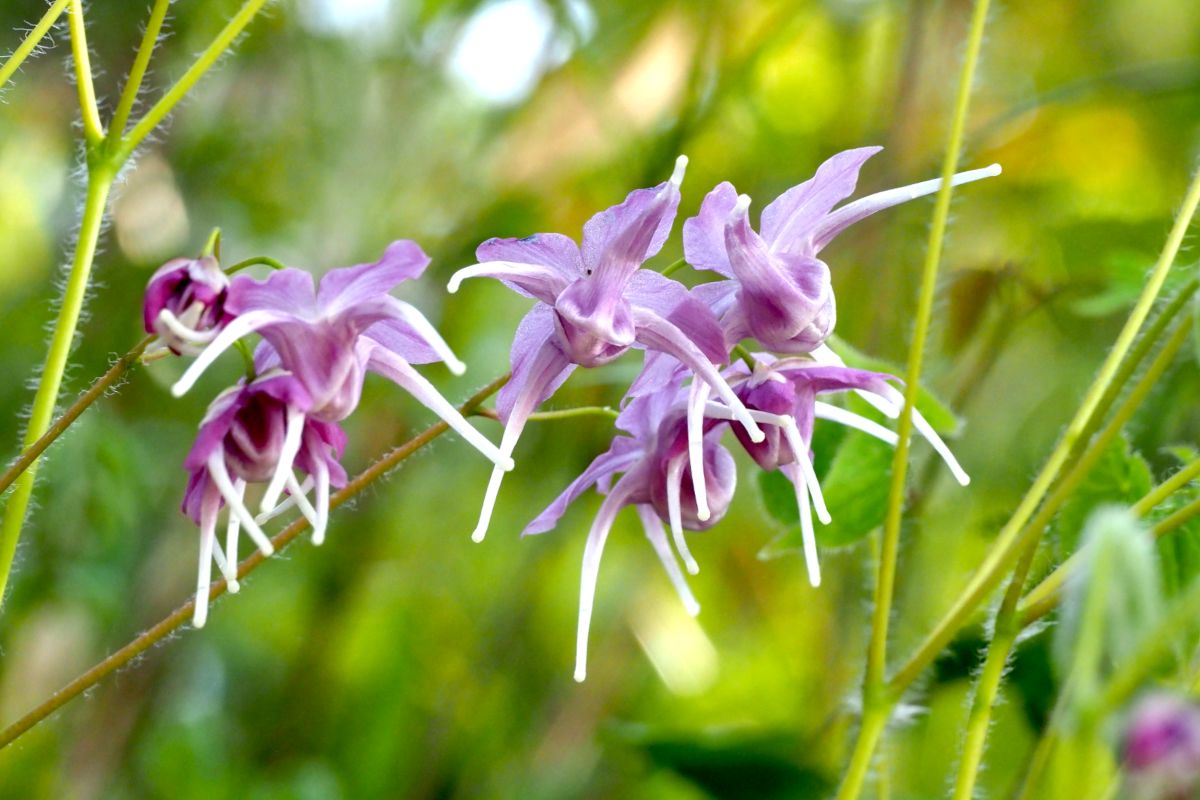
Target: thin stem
column 138, row 71
column 212, row 247
column 93, row 129
column 741, row 352
column 559, row 413
column 1008, row 543
column 179, row 616
column 99, row 183
column 94, row 392
column 43, row 26
column 1177, row 520
column 986, row 690
column 885, row 585
column 873, row 723
column 202, row 64
column 674, row 267
column 250, row 262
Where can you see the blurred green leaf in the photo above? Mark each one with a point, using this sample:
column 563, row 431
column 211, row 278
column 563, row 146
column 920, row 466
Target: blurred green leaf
column 1179, row 551
column 934, row 409
column 1121, row 476
column 778, row 496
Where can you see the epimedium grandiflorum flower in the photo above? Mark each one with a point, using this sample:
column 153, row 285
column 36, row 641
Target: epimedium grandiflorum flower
column 330, row 335
column 595, row 302
column 779, row 291
column 185, row 303
column 255, row 432
column 653, row 467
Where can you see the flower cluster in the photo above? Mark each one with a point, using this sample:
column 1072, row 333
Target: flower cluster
column 318, row 342
column 594, row 302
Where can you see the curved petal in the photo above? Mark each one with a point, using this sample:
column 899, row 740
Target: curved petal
column 619, row 239
column 704, row 234
column 787, row 223
column 605, row 465
column 532, row 280
column 672, row 301
column 344, row 288
column 533, row 355
column 545, row 249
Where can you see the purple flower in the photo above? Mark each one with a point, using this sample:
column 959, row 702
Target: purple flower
column 185, row 303
column 254, row 433
column 329, row 336
column 780, row 292
column 654, row 468
column 1162, row 748
column 594, row 304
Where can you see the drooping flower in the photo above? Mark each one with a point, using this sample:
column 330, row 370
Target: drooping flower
column 595, row 303
column 255, row 432
column 329, row 336
column 185, row 303
column 654, row 477
column 778, row 291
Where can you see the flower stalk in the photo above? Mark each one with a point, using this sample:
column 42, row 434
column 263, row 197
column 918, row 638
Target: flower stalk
column 30, row 43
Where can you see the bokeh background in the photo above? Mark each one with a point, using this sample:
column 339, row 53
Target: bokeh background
column 401, row 660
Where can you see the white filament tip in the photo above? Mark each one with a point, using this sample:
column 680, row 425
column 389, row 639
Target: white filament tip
column 478, row 534
column 756, row 434
column 180, row 388
column 703, row 514
column 690, row 564
column 453, row 284
column 456, row 367
column 680, row 167
column 580, row 674
column 814, row 575
column 741, row 206
column 692, row 608
column 233, row 586
column 993, row 170
column 266, row 548
column 200, row 615
column 823, row 516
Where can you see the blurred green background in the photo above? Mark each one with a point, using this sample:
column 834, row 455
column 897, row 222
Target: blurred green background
column 401, row 660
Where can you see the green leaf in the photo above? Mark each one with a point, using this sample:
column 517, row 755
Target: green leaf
column 1179, row 550
column 935, row 410
column 779, row 497
column 1120, row 476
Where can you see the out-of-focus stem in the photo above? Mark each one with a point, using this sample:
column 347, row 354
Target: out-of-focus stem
column 137, row 72
column 179, row 616
column 93, row 130
column 31, row 41
column 94, row 392
column 1008, row 545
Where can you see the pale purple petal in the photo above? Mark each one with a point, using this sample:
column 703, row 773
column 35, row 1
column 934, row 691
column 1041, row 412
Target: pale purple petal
column 787, row 222
column 673, row 302
column 538, row 281
column 618, row 240
column 544, row 249
column 286, row 291
column 704, row 234
column 538, row 364
column 617, row 459
column 347, row 287
column 399, row 337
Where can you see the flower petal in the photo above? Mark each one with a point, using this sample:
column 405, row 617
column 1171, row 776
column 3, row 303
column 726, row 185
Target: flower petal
column 287, row 291
column 544, row 249
column 532, row 280
column 672, row 301
column 618, row 240
column 616, row 459
column 347, row 287
column 704, row 234
column 788, row 221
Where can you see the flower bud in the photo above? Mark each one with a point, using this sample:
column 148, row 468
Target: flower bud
column 185, row 303
column 1162, row 748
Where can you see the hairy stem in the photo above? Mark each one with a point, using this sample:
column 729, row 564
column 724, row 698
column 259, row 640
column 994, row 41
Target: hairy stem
column 181, row 615
column 99, row 183
column 885, row 584
column 137, row 72
column 94, row 392
column 202, row 64
column 31, row 41
column 1007, row 547
column 873, row 723
column 93, row 130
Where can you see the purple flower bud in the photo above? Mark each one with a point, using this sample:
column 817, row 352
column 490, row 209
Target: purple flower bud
column 673, row 490
column 185, row 303
column 1162, row 748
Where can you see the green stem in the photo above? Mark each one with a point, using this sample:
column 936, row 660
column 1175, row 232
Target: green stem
column 674, row 267
column 212, row 247
column 138, row 71
column 986, row 690
column 741, row 352
column 181, row 615
column 560, row 413
column 31, row 41
column 99, row 183
column 250, row 262
column 94, row 392
column 202, row 64
column 873, row 723
column 93, row 129
column 885, row 585
column 1007, row 546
